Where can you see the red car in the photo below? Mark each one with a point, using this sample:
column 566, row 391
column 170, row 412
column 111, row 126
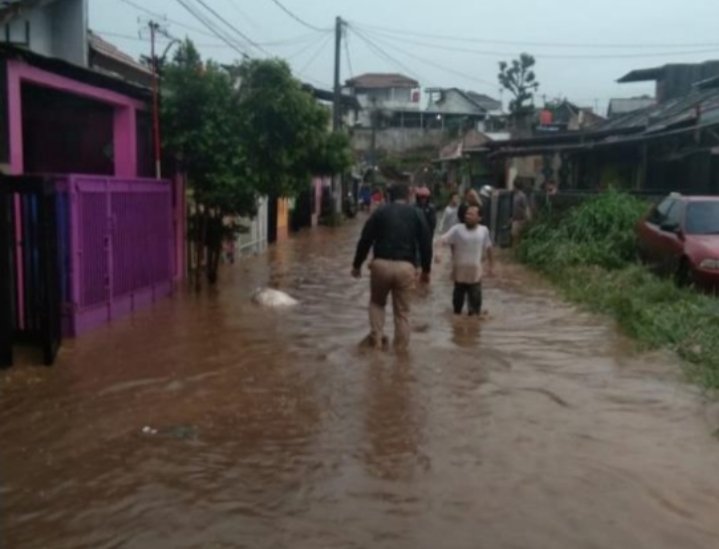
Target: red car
column 680, row 236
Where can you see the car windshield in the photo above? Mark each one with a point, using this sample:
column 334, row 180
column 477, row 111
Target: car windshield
column 702, row 217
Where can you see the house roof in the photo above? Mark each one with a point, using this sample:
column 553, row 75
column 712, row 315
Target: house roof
column 657, row 73
column 698, row 109
column 347, row 101
column 76, row 72
column 623, row 105
column 382, row 80
column 486, row 102
column 643, row 75
column 479, row 100
column 106, row 49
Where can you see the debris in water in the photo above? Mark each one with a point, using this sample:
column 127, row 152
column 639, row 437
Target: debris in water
column 269, row 297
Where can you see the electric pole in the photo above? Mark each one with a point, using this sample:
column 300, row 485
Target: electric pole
column 336, row 103
column 154, row 28
column 337, row 110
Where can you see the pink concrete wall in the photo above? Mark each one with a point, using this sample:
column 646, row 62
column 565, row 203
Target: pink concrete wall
column 125, row 132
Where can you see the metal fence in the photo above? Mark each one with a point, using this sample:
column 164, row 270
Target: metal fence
column 29, row 267
column 117, row 247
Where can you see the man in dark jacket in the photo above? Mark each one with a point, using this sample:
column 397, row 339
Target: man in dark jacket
column 397, row 233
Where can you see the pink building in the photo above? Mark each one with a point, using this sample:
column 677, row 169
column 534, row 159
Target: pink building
column 119, row 230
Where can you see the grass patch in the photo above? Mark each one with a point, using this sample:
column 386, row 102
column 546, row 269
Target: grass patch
column 589, row 253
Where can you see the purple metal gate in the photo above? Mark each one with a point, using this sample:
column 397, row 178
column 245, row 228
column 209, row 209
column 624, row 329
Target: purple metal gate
column 118, row 247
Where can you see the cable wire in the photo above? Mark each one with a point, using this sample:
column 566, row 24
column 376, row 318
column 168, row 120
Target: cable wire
column 219, row 34
column 347, row 55
column 387, row 57
column 501, row 54
column 233, row 28
column 165, row 18
column 455, row 38
column 314, row 56
column 436, row 65
column 295, row 17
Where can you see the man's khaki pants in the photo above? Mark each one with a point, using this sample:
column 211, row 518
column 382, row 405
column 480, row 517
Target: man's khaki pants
column 396, row 277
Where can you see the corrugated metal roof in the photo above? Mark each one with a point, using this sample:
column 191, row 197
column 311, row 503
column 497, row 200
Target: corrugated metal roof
column 382, row 80
column 624, row 105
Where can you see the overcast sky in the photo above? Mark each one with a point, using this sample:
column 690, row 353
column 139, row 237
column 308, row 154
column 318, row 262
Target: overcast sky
column 581, row 46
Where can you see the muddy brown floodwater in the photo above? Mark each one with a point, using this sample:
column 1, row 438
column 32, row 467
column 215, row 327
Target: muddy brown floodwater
column 539, row 428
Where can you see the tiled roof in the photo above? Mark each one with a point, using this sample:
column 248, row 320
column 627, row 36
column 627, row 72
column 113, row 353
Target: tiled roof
column 382, row 80
column 103, row 47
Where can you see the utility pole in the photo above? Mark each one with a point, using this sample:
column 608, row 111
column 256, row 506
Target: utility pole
column 336, row 103
column 154, row 28
column 337, row 110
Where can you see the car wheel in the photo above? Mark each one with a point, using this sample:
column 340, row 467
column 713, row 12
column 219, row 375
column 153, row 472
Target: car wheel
column 684, row 273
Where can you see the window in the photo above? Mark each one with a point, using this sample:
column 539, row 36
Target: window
column 661, row 212
column 674, row 215
column 702, row 218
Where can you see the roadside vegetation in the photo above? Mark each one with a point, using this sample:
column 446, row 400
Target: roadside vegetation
column 589, row 252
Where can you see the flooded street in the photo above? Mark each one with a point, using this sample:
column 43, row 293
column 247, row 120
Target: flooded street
column 538, row 428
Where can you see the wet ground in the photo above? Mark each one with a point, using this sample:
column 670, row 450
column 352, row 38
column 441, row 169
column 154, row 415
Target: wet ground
column 209, row 422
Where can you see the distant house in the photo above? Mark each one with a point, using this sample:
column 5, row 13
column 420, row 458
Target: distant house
column 387, row 92
column 621, row 106
column 453, row 106
column 565, row 116
column 673, row 80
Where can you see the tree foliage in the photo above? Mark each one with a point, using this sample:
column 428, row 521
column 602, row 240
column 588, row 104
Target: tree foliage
column 283, row 131
column 520, row 80
column 239, row 132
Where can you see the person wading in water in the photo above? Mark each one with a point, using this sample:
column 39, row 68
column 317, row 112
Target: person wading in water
column 398, row 234
column 470, row 242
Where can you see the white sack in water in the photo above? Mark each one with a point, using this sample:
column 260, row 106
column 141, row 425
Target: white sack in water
column 269, row 297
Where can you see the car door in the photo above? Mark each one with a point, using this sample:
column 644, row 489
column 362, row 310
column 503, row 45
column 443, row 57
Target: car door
column 669, row 246
column 649, row 237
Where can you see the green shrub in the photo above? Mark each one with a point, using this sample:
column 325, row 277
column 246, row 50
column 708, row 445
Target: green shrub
column 589, row 253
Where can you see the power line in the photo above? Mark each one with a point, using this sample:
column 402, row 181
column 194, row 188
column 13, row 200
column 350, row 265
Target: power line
column 233, row 28
column 302, row 50
column 500, row 54
column 316, row 54
column 441, row 67
column 347, row 55
column 387, row 57
column 456, row 38
column 278, row 43
column 165, row 18
column 219, row 34
column 295, row 17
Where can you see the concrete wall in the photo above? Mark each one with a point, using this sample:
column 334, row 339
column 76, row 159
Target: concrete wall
column 58, row 29
column 69, row 30
column 397, row 139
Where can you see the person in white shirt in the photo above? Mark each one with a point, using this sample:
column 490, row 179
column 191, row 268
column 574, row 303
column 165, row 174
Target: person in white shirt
column 450, row 214
column 470, row 243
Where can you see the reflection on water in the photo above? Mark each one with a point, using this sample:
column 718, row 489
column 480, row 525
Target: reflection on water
column 209, row 422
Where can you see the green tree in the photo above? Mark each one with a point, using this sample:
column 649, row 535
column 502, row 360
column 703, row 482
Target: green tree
column 239, row 132
column 200, row 122
column 520, row 80
column 284, row 132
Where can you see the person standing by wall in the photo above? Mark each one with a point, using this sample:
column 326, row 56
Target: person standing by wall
column 397, row 233
column 520, row 211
